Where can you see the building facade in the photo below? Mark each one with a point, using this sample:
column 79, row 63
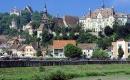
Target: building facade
column 97, row 20
column 125, row 47
column 58, row 47
column 87, row 49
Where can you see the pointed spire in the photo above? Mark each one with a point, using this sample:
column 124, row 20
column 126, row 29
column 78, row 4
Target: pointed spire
column 90, row 12
column 113, row 10
column 103, row 4
column 45, row 8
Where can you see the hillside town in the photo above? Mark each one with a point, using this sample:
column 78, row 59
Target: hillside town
column 32, row 34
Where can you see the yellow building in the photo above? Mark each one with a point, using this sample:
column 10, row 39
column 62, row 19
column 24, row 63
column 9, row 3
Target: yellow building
column 125, row 47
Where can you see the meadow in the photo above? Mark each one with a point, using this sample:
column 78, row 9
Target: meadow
column 68, row 71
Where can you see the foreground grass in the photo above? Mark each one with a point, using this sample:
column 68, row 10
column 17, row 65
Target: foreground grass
column 71, row 71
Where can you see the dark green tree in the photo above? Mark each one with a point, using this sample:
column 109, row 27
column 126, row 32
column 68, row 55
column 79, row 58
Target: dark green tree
column 86, row 37
column 72, row 51
column 36, row 16
column 120, row 52
column 108, row 31
column 46, row 38
column 25, row 17
column 39, row 53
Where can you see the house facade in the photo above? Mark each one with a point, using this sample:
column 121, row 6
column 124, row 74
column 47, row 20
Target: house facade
column 97, row 20
column 58, row 47
column 87, row 49
column 125, row 47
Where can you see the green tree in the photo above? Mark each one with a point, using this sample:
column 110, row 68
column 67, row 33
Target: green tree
column 108, row 31
column 36, row 16
column 86, row 37
column 46, row 38
column 120, row 52
column 25, row 17
column 39, row 53
column 100, row 54
column 72, row 51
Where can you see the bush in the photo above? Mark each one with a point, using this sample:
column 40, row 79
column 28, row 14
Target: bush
column 100, row 54
column 72, row 51
column 36, row 77
column 57, row 75
column 41, row 69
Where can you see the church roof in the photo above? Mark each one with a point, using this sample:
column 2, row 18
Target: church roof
column 71, row 20
column 105, row 12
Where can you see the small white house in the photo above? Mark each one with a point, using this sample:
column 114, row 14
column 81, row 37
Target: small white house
column 87, row 49
column 58, row 47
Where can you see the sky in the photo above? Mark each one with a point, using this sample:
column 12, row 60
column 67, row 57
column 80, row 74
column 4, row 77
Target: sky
column 65, row 7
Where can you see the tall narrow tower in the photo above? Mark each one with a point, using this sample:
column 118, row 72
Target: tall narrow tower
column 45, row 8
column 103, row 4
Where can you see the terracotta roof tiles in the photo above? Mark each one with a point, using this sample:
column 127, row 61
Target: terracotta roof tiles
column 59, row 44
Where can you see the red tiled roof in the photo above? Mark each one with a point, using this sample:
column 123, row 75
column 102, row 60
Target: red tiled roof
column 59, row 44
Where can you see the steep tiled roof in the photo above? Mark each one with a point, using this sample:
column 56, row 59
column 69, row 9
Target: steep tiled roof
column 70, row 20
column 87, row 46
column 59, row 44
column 3, row 39
column 105, row 12
column 120, row 15
column 58, row 21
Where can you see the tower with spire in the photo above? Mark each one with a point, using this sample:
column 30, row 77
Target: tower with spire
column 45, row 15
column 103, row 4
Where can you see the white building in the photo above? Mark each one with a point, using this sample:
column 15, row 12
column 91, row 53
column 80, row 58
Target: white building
column 13, row 24
column 87, row 49
column 58, row 47
column 23, row 51
column 15, row 11
column 29, row 28
column 97, row 20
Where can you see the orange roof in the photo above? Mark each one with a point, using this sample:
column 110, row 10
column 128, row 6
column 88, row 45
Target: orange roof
column 59, row 44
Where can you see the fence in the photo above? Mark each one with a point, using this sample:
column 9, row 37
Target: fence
column 16, row 63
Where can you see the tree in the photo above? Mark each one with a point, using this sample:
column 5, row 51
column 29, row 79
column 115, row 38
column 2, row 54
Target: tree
column 72, row 51
column 120, row 52
column 100, row 54
column 36, row 17
column 39, row 53
column 38, row 42
column 104, row 43
column 108, row 31
column 46, row 38
column 86, row 37
column 25, row 17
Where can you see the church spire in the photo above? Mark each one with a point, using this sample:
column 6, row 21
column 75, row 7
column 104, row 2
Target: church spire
column 90, row 13
column 103, row 4
column 45, row 8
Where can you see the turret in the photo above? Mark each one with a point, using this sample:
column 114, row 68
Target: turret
column 90, row 13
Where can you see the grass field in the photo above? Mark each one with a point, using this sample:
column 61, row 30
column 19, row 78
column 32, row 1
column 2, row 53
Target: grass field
column 73, row 71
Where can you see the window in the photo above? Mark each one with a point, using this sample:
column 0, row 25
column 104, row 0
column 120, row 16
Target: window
column 128, row 44
column 56, row 54
column 128, row 50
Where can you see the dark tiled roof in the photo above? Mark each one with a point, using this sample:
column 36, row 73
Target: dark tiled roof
column 105, row 12
column 71, row 20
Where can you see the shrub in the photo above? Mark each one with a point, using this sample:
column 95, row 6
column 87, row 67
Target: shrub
column 41, row 69
column 100, row 54
column 72, row 51
column 36, row 77
column 57, row 75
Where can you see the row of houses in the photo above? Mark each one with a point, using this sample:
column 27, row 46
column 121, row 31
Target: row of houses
column 15, row 48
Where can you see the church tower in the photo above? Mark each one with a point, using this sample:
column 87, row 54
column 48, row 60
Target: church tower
column 103, row 4
column 45, row 15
